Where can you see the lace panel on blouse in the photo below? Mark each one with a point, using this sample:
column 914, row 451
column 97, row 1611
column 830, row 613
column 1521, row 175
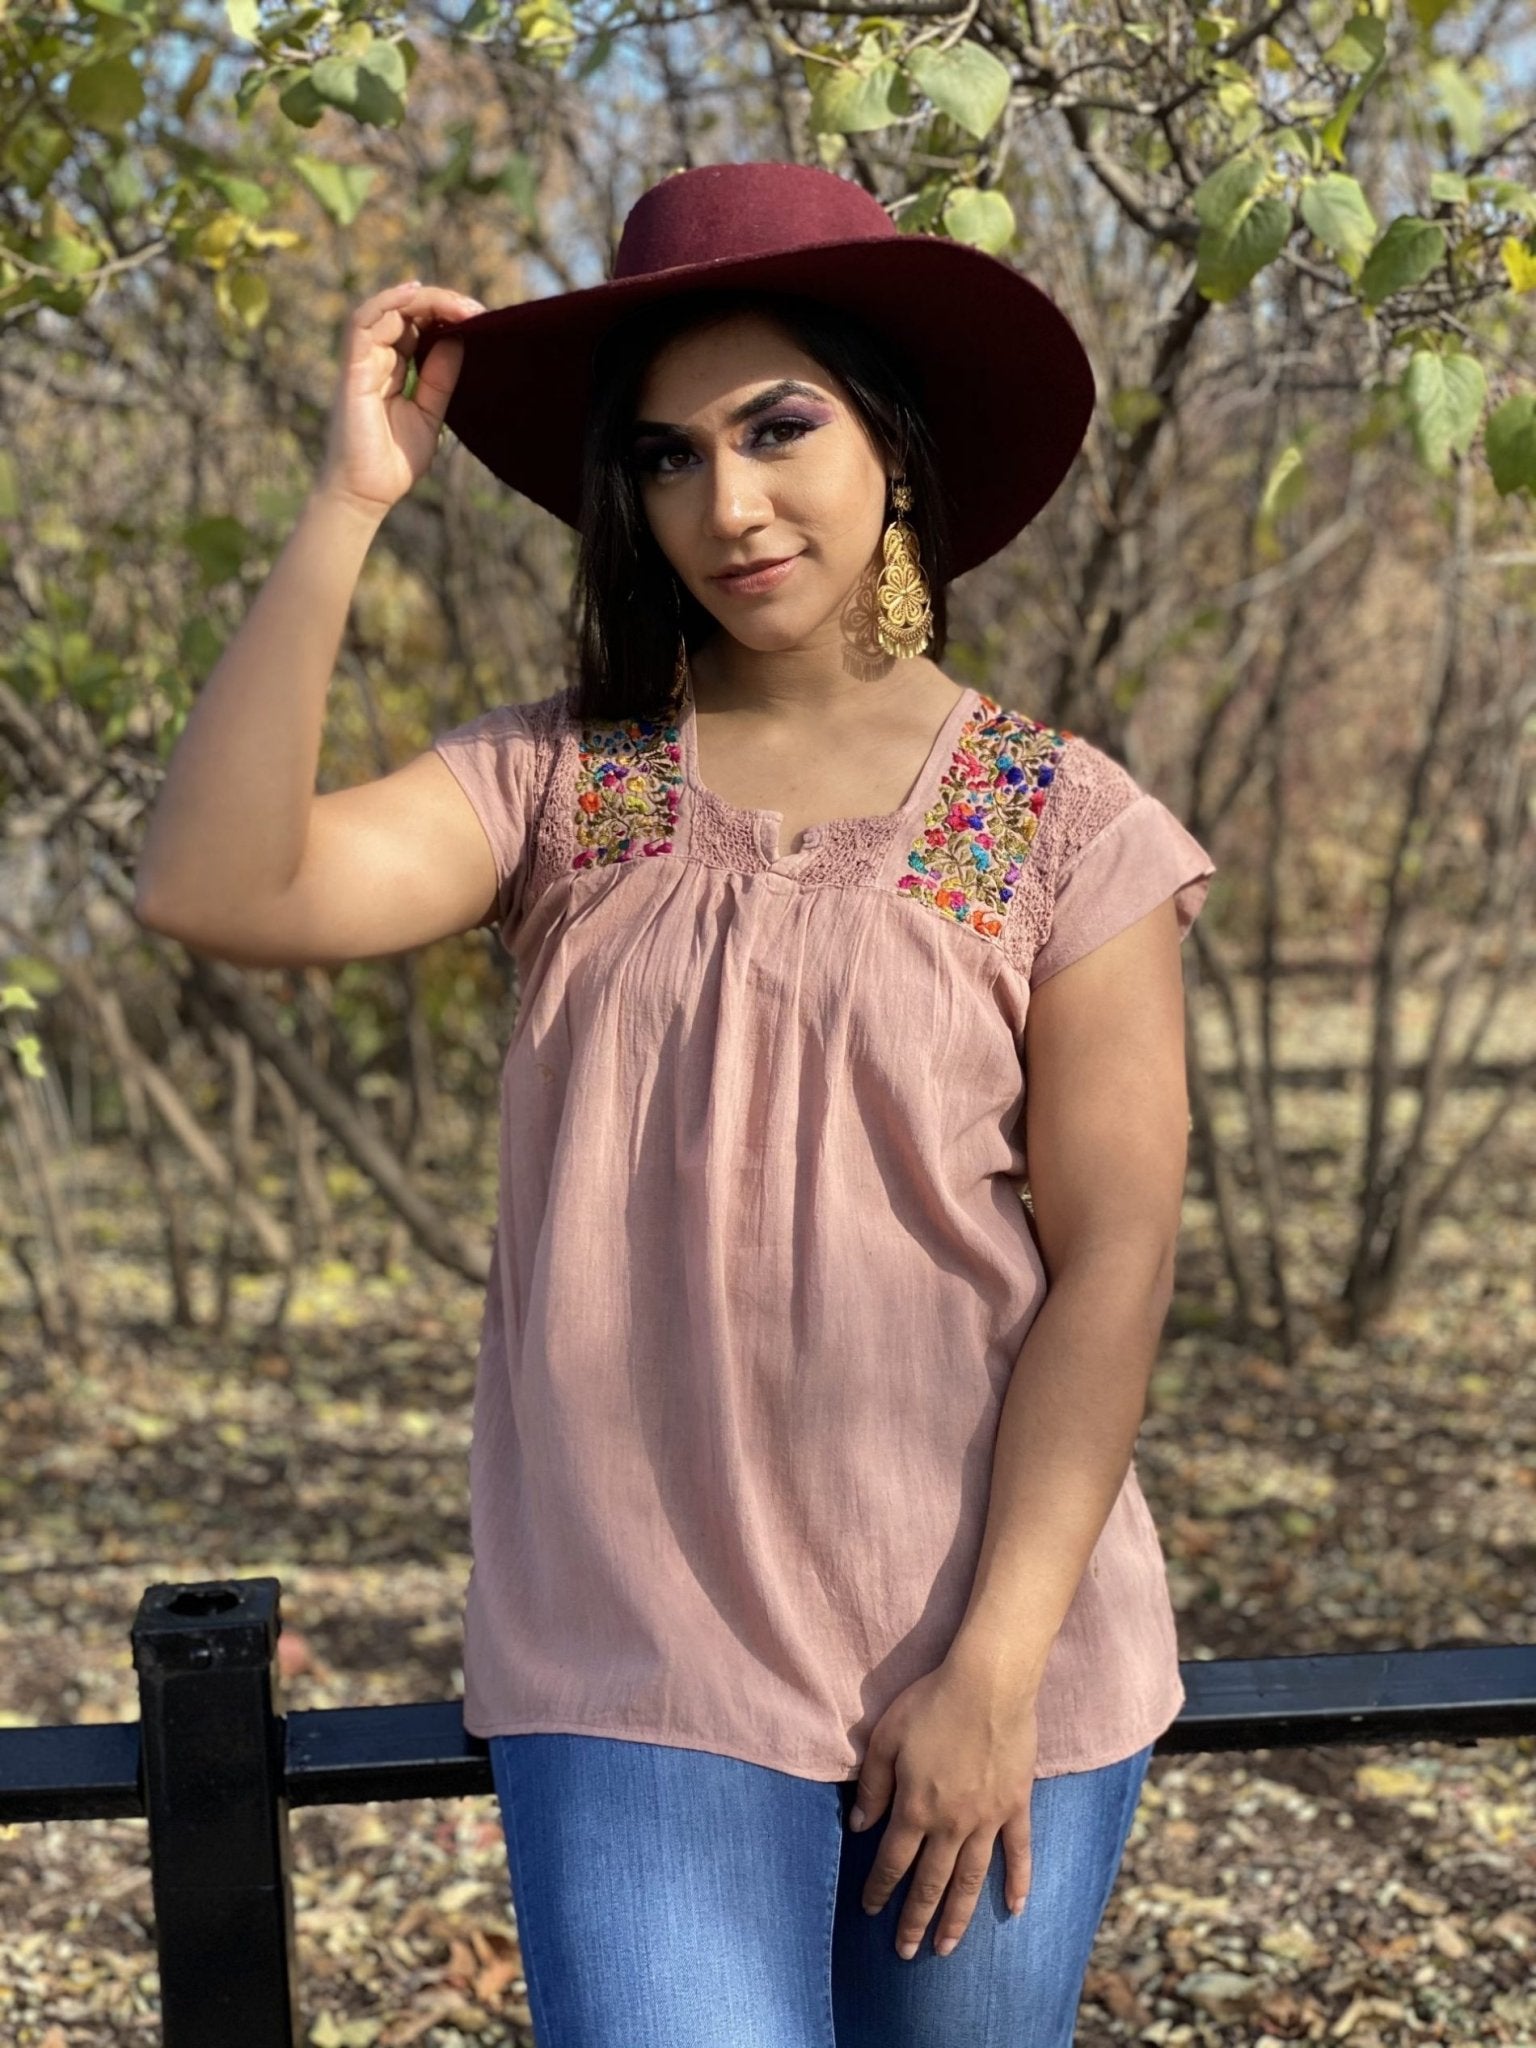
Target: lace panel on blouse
column 1089, row 789
column 1013, row 807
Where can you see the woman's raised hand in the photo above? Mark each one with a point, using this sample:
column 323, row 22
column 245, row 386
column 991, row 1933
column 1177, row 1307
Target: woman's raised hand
column 379, row 442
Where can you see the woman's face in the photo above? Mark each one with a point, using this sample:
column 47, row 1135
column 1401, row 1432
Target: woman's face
column 726, row 478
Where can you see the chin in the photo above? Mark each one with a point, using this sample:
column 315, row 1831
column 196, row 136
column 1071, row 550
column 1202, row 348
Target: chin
column 776, row 638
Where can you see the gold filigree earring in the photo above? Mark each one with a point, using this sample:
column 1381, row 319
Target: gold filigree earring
column 903, row 611
column 680, row 665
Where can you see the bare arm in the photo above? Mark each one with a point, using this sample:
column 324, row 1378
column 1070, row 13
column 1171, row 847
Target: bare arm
column 242, row 859
column 1107, row 1115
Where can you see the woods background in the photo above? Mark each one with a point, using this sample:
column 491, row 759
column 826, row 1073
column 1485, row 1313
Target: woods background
column 1289, row 582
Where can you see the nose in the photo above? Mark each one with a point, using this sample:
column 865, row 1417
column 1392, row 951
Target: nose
column 738, row 501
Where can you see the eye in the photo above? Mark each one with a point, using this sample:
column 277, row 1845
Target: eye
column 797, row 428
column 654, row 463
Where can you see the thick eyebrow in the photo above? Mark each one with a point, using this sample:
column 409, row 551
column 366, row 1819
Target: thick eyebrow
column 787, row 387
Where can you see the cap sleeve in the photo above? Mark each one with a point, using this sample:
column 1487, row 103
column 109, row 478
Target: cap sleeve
column 1115, row 853
column 495, row 761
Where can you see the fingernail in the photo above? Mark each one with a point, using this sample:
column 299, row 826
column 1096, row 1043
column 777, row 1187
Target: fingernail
column 1017, row 1907
column 856, row 1818
column 906, row 1950
column 944, row 1948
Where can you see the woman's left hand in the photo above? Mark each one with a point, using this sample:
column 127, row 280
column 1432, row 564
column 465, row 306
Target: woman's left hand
column 957, row 1750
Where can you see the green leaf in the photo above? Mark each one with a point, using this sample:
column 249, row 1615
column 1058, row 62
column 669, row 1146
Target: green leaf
column 1444, row 394
column 518, row 179
column 244, row 18
column 1219, row 197
column 361, row 86
column 847, row 99
column 924, row 212
column 1460, row 101
column 300, row 102
column 243, row 194
column 218, row 544
column 387, row 62
column 1505, row 194
column 1337, row 126
column 966, row 82
column 1362, row 44
column 983, row 219
column 1509, row 440
column 249, row 295
column 29, row 1050
column 1284, row 484
column 1450, row 186
column 1406, row 253
column 1427, row 12
column 1132, row 406
column 337, row 80
column 340, row 188
column 1241, row 229
column 1227, row 260
column 1337, row 212
column 1303, row 142
column 106, row 95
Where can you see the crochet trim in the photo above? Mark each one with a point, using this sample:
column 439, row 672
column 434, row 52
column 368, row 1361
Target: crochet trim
column 1015, row 804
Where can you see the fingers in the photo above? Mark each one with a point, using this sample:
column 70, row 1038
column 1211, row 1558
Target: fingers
column 877, row 1783
column 936, row 1866
column 393, row 319
column 416, row 302
column 1018, row 1860
column 951, row 1871
column 436, row 377
column 964, row 1889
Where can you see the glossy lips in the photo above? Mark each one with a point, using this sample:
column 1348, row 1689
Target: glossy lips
column 761, row 579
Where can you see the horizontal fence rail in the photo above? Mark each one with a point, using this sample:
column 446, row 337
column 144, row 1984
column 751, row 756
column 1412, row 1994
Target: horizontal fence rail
column 214, row 1766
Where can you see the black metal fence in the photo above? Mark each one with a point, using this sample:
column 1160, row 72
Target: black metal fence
column 214, row 1766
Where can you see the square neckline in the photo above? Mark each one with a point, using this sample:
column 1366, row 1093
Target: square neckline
column 817, row 833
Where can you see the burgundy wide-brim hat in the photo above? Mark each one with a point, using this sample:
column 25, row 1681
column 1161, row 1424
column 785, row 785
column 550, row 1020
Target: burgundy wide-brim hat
column 1005, row 384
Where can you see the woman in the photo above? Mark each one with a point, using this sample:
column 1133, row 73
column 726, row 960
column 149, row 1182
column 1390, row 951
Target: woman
column 816, row 1612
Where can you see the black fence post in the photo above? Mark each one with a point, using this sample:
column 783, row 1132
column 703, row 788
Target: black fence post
column 212, row 1764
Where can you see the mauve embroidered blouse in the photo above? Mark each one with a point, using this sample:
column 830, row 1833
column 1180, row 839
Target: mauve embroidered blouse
column 761, row 1266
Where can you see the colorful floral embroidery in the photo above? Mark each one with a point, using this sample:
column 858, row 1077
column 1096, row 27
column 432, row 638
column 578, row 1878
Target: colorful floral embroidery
column 979, row 828
column 628, row 786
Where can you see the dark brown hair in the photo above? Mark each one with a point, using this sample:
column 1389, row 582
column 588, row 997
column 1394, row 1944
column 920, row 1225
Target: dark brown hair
column 629, row 601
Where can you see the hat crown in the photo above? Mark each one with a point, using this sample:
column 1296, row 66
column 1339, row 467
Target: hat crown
column 721, row 212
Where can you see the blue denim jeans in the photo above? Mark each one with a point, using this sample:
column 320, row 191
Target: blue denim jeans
column 672, row 1898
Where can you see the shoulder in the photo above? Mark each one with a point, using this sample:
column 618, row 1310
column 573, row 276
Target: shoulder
column 528, row 721
column 506, row 757
column 1069, row 787
column 1034, row 796
column 544, row 720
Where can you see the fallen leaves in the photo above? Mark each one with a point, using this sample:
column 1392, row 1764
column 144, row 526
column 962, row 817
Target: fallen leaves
column 1371, row 1495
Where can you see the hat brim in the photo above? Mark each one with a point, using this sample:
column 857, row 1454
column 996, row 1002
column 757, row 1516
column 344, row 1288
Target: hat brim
column 1006, row 385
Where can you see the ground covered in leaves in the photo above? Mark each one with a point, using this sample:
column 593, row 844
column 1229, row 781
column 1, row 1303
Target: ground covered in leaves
column 1380, row 1495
